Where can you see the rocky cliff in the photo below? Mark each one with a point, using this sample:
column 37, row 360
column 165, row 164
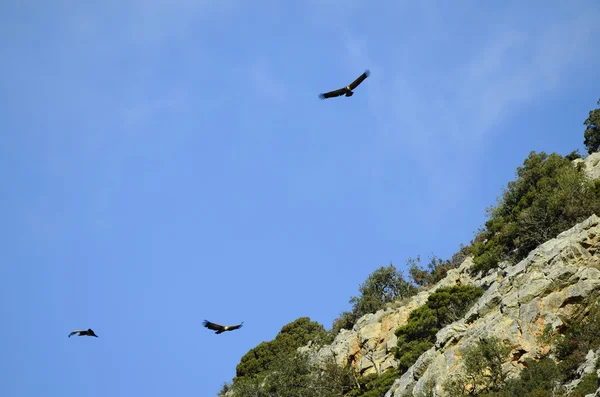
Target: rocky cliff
column 543, row 290
column 591, row 164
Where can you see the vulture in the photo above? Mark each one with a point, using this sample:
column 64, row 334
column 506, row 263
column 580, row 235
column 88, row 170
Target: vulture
column 81, row 332
column 348, row 89
column 221, row 328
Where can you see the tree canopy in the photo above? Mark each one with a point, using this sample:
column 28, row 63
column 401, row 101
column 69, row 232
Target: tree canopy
column 443, row 307
column 548, row 196
column 592, row 131
column 384, row 285
column 291, row 337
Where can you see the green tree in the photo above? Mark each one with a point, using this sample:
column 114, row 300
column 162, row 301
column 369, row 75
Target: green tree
column 383, row 286
column 483, row 363
column 548, row 196
column 443, row 307
column 538, row 378
column 482, row 369
column 346, row 320
column 436, row 269
column 592, row 131
column 581, row 336
column 248, row 387
column 574, row 155
column 292, row 375
column 291, row 337
column 374, row 385
column 588, row 385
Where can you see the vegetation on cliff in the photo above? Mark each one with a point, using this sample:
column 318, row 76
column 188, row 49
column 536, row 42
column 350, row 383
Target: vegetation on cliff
column 291, row 337
column 385, row 285
column 443, row 307
column 592, row 131
column 482, row 374
column 549, row 195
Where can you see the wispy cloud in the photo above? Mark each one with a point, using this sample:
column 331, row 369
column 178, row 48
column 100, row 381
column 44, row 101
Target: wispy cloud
column 512, row 68
column 446, row 110
column 516, row 68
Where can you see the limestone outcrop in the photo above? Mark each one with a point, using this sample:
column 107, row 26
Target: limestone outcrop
column 591, row 165
column 368, row 346
column 544, row 289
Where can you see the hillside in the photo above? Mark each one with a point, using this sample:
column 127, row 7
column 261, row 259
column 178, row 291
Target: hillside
column 528, row 324
column 545, row 289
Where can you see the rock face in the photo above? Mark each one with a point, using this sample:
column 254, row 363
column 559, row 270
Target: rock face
column 544, row 289
column 520, row 301
column 587, row 367
column 591, row 164
column 368, row 346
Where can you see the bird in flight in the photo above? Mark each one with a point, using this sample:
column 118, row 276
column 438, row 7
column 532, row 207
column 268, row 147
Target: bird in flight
column 221, row 328
column 348, row 89
column 81, row 332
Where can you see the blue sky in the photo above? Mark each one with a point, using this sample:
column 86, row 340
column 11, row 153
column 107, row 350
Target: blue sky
column 164, row 162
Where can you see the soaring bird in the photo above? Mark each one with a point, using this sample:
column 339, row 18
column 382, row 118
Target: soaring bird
column 81, row 332
column 348, row 89
column 221, row 328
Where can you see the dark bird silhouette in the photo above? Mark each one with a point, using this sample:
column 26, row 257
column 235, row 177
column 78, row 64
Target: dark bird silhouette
column 81, row 332
column 221, row 328
column 348, row 89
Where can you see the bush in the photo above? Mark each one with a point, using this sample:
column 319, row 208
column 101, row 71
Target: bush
column 482, row 371
column 291, row 337
column 374, row 385
column 334, row 377
column 574, row 155
column 292, row 375
column 588, row 385
column 542, row 378
column 537, row 379
column 346, row 320
column 579, row 338
column 462, row 254
column 443, row 307
column 383, row 286
column 483, row 363
column 386, row 285
column 548, row 197
column 436, row 270
column 592, row 131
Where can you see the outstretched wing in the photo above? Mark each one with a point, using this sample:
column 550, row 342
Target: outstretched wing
column 76, row 332
column 232, row 327
column 360, row 79
column 90, row 332
column 213, row 326
column 333, row 94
